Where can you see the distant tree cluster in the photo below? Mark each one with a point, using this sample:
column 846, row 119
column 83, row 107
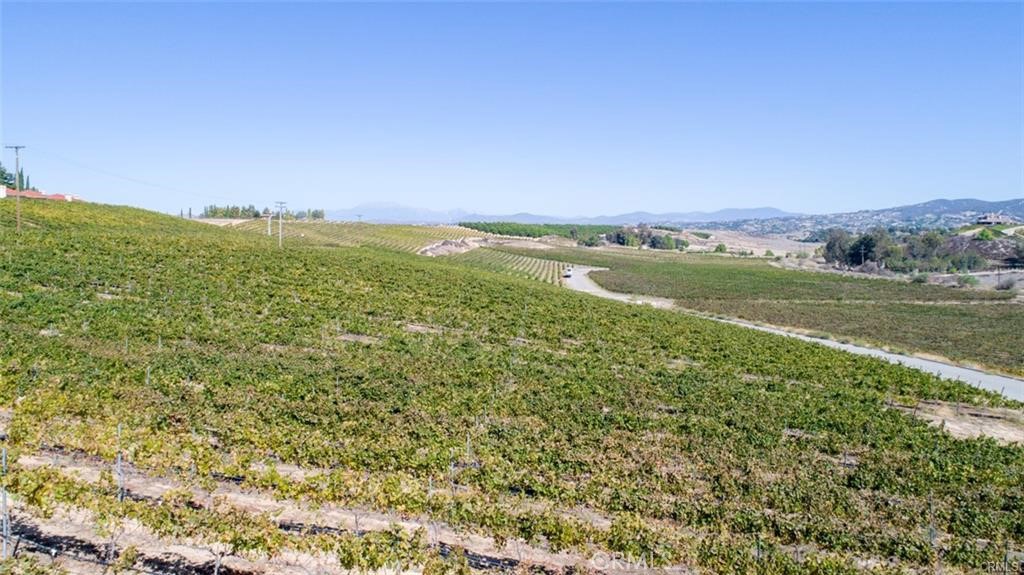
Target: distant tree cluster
column 250, row 211
column 306, row 215
column 900, row 252
column 9, row 180
column 645, row 236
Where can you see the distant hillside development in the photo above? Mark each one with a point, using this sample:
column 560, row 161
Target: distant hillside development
column 933, row 214
column 186, row 398
column 393, row 214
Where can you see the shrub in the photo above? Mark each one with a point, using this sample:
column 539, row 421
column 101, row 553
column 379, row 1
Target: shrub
column 1006, row 284
column 966, row 280
column 985, row 235
column 919, row 279
column 769, row 254
column 720, row 249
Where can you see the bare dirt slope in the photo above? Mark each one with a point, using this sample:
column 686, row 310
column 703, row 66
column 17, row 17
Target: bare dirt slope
column 739, row 241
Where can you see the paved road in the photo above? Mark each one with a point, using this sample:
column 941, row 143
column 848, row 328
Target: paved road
column 1008, row 386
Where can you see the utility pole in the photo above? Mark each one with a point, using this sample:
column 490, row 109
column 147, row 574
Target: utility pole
column 17, row 181
column 270, row 216
column 280, row 223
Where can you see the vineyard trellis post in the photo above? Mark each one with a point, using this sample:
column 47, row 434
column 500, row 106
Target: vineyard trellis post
column 120, row 467
column 932, row 533
column 5, row 521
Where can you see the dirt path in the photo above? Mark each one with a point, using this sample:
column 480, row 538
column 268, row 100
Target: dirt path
column 1009, row 386
column 580, row 281
column 1005, row 425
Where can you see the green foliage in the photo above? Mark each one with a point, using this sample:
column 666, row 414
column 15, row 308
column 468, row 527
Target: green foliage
column 966, row 280
column 863, row 249
column 665, row 242
column 571, row 231
column 6, row 178
column 10, row 179
column 702, row 235
column 985, row 235
column 720, row 249
column 645, row 236
column 837, row 247
column 28, row 565
column 249, row 211
column 634, row 538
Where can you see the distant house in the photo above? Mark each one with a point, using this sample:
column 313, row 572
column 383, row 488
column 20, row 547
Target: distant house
column 37, row 195
column 994, row 220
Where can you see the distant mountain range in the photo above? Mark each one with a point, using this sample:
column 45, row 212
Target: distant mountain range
column 387, row 213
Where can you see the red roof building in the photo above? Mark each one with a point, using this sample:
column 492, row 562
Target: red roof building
column 36, row 195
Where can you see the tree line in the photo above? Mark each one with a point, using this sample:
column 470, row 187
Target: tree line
column 251, row 211
column 645, row 236
column 925, row 251
column 588, row 235
column 571, row 231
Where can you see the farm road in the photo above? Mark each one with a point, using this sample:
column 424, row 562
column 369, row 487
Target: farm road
column 1009, row 386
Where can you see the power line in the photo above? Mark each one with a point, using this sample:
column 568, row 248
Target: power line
column 131, row 179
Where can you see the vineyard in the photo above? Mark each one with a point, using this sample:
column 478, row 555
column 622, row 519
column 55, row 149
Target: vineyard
column 519, row 265
column 403, row 238
column 971, row 326
column 369, row 408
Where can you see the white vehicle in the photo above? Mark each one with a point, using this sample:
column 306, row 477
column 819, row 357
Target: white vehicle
column 567, row 273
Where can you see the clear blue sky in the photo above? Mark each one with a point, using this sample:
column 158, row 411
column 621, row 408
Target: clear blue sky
column 563, row 109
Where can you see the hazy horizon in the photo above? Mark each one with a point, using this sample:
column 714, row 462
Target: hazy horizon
column 565, row 110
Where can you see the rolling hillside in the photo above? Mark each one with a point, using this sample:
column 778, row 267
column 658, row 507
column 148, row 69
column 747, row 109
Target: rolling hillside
column 366, row 407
